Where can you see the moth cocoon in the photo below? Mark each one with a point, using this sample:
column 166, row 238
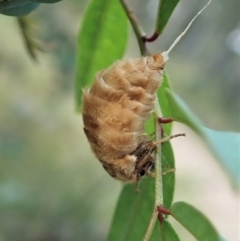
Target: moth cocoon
column 115, row 109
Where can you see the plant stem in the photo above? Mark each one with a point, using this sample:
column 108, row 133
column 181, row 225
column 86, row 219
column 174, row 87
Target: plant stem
column 158, row 175
column 142, row 39
column 152, row 38
column 151, row 225
column 158, row 162
column 140, row 34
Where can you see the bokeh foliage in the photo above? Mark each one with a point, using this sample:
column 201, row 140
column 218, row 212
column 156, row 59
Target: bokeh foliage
column 21, row 7
column 45, row 190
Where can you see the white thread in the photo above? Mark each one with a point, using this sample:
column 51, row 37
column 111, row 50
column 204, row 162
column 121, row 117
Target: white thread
column 186, row 29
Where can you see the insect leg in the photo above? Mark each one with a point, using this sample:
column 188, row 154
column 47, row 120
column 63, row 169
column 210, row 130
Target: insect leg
column 168, row 138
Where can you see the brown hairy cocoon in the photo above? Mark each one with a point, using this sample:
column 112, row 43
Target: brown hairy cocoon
column 115, row 109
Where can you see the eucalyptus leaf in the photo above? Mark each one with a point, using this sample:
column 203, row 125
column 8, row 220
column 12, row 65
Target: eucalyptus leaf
column 45, row 1
column 165, row 10
column 167, row 152
column 194, row 221
column 223, row 239
column 136, row 208
column 149, row 126
column 164, row 103
column 168, row 163
column 225, row 145
column 133, row 212
column 168, row 233
column 17, row 7
column 102, row 40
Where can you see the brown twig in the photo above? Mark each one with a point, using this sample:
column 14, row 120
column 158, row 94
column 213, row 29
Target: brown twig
column 140, row 35
column 31, row 44
column 152, row 38
column 142, row 39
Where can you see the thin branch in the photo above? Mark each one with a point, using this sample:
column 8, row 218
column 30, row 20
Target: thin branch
column 142, row 39
column 152, row 38
column 151, row 225
column 158, row 174
column 140, row 35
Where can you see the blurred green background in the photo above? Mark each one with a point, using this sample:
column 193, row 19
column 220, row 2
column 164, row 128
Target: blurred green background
column 51, row 186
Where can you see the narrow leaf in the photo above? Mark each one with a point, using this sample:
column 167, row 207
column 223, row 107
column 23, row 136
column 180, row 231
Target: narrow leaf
column 167, row 152
column 149, row 126
column 45, row 1
column 136, row 208
column 165, row 10
column 168, row 164
column 102, row 40
column 194, row 221
column 225, row 145
column 181, row 113
column 168, row 233
column 133, row 212
column 223, row 239
column 30, row 41
column 17, row 8
column 164, row 103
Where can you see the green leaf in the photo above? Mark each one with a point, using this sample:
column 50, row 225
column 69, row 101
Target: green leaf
column 133, row 212
column 168, row 233
column 223, row 239
column 167, row 152
column 168, row 163
column 17, row 7
column 45, row 1
column 164, row 103
column 181, row 113
column 165, row 10
column 149, row 126
column 102, row 40
column 225, row 145
column 136, row 208
column 194, row 221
